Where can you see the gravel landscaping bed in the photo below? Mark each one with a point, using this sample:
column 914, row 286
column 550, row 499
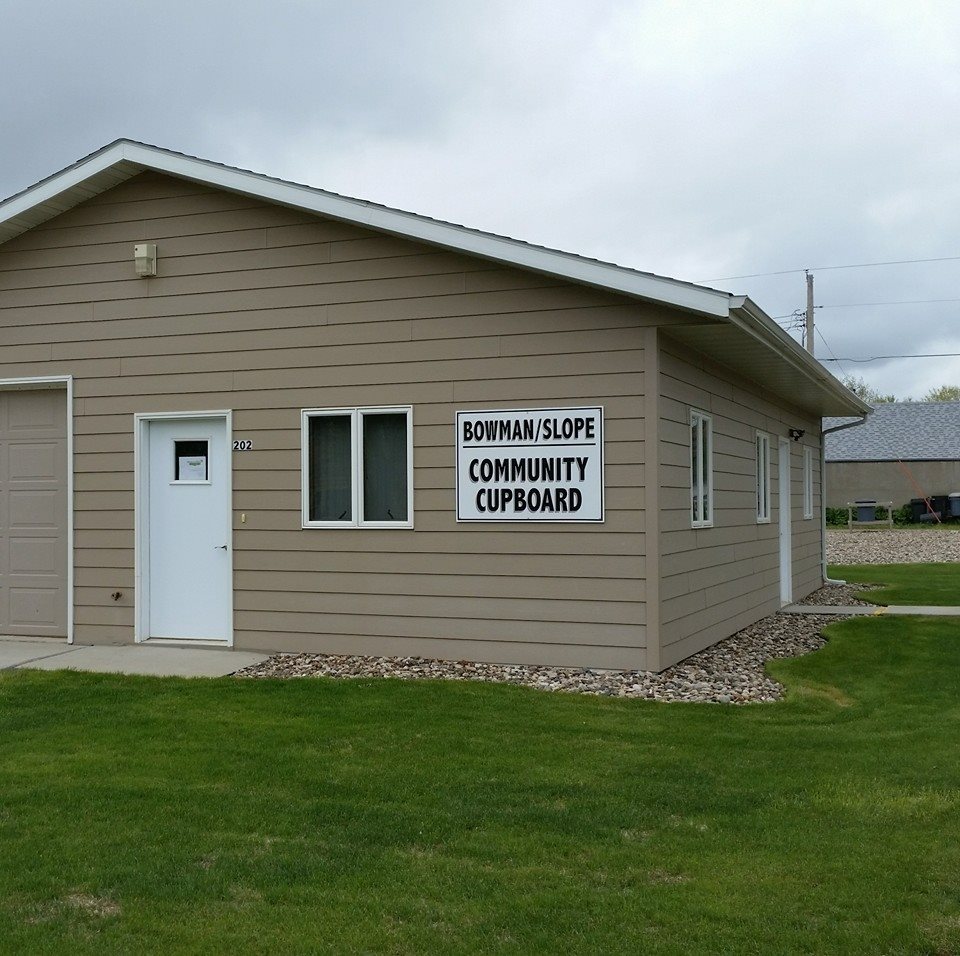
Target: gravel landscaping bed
column 893, row 546
column 840, row 595
column 731, row 672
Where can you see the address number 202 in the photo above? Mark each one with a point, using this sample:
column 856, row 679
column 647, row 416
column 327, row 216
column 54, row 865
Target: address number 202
column 242, row 444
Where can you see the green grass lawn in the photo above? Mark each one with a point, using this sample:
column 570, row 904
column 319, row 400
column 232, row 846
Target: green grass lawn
column 160, row 815
column 924, row 584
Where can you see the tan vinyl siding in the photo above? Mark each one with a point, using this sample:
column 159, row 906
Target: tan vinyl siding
column 714, row 581
column 266, row 310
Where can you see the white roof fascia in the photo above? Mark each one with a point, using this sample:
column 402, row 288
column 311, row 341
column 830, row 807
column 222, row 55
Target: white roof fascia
column 653, row 288
column 72, row 177
column 748, row 316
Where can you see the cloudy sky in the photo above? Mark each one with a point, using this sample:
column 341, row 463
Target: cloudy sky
column 710, row 141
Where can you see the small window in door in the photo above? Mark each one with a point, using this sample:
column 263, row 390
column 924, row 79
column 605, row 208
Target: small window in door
column 191, row 460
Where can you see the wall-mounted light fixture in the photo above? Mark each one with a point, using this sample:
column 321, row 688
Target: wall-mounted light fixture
column 145, row 259
column 796, row 433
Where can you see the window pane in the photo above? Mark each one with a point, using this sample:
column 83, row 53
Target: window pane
column 759, row 477
column 191, row 460
column 385, row 467
column 330, row 466
column 763, row 477
column 695, row 467
column 705, row 451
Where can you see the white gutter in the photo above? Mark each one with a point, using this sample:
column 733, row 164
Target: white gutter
column 823, row 497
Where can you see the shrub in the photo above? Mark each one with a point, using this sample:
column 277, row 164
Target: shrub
column 837, row 517
column 903, row 515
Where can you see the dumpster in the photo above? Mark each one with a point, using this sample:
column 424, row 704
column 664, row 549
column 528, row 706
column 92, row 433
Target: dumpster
column 954, row 500
column 920, row 511
column 866, row 510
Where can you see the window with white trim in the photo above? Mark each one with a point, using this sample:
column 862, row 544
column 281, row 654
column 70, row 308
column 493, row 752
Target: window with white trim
column 701, row 469
column 357, row 467
column 763, row 478
column 807, row 482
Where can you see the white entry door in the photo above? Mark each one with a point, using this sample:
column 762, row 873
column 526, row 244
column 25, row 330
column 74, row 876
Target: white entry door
column 786, row 523
column 187, row 582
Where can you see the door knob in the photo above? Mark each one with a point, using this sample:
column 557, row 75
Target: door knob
column 220, row 547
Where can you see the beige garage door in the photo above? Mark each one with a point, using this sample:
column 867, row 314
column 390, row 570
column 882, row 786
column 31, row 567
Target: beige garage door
column 33, row 513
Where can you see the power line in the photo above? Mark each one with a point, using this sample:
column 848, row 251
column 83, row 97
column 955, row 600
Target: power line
column 855, row 305
column 830, row 350
column 853, row 265
column 795, row 314
column 883, row 358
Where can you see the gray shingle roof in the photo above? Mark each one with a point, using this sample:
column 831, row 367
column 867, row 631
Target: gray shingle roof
column 909, row 431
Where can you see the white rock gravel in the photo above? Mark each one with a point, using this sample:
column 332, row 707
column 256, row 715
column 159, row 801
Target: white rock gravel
column 893, row 546
column 731, row 672
column 840, row 595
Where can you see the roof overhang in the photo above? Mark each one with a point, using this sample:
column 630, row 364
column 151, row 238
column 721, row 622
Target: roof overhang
column 731, row 330
column 751, row 344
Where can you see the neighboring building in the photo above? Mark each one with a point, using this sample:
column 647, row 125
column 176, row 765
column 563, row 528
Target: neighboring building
column 903, row 450
column 306, row 431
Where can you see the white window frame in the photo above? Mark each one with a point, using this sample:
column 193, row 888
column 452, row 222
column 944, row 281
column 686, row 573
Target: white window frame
column 763, row 477
column 356, row 416
column 702, row 491
column 807, row 482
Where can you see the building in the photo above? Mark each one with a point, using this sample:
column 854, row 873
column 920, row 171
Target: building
column 240, row 411
column 903, row 450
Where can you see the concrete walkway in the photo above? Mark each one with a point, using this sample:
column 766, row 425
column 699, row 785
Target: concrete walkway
column 18, row 653
column 896, row 609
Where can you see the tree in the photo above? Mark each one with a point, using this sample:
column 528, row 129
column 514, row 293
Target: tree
column 868, row 393
column 943, row 393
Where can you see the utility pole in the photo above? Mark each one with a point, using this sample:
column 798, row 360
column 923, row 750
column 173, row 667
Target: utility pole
column 809, row 333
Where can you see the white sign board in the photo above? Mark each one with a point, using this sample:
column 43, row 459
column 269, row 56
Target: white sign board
column 192, row 469
column 530, row 464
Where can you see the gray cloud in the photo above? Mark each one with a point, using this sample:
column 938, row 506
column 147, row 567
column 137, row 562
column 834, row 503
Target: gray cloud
column 699, row 140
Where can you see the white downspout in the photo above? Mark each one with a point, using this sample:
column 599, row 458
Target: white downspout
column 823, row 496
